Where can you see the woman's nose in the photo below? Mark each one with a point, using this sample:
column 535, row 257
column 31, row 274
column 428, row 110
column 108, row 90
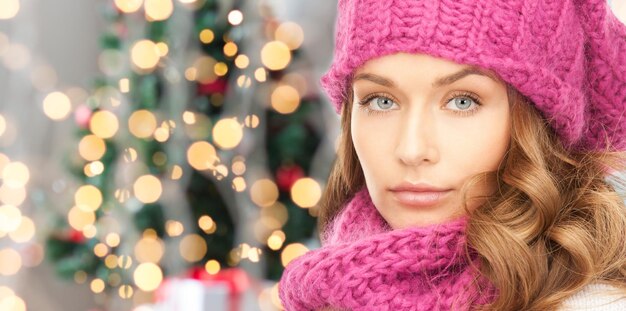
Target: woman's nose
column 415, row 142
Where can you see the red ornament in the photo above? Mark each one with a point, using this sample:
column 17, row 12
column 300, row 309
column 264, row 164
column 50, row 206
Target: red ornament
column 287, row 175
column 217, row 86
column 75, row 236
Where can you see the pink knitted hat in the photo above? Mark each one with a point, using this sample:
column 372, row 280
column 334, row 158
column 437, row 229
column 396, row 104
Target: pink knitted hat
column 567, row 56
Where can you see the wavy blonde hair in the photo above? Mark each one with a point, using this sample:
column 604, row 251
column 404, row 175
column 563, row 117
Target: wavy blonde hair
column 555, row 224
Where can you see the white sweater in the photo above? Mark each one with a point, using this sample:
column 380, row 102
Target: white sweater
column 595, row 297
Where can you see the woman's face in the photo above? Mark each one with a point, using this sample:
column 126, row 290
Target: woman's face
column 423, row 121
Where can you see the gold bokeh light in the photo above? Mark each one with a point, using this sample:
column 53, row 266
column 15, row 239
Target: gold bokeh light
column 145, row 54
column 285, row 99
column 147, row 189
column 142, row 123
column 88, row 198
column 227, row 133
column 158, row 10
column 103, row 124
column 291, row 34
column 57, row 106
column 91, row 147
column 275, row 55
column 148, row 276
column 202, row 155
column 264, row 192
column 291, row 252
column 306, row 192
column 192, row 247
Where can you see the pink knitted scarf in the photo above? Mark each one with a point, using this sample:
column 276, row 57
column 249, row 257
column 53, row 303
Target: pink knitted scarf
column 365, row 265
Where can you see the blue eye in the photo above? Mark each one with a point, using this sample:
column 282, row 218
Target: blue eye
column 461, row 103
column 376, row 104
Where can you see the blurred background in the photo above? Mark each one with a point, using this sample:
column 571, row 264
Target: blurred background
column 161, row 154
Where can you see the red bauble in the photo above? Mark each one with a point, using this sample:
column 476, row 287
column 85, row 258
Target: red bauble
column 287, row 175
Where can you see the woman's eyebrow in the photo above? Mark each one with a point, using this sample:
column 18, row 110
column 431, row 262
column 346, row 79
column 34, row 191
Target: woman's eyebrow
column 442, row 81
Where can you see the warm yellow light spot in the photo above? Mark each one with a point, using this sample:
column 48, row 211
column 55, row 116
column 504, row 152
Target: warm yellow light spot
column 202, row 155
column 163, row 48
column 149, row 249
column 291, row 252
column 91, row 147
column 104, row 124
column 252, row 121
column 227, row 133
column 122, row 195
column 56, row 105
column 239, row 167
column 24, row 232
column 100, row 250
column 90, row 231
column 9, row 8
column 124, row 261
column 126, row 292
column 239, row 184
column 242, row 61
column 174, row 228
column 291, row 34
column 96, row 167
column 12, row 196
column 230, row 49
column 111, row 261
column 158, row 10
column 78, row 218
column 306, row 192
column 10, row 218
column 206, row 223
column 161, row 134
column 113, row 239
column 124, row 85
column 130, row 155
column 97, row 286
column 128, row 6
column 275, row 55
column 285, row 99
column 244, row 81
column 10, row 262
column 3, row 125
column 192, row 248
column 220, row 69
column 147, row 189
column 276, row 240
column 212, row 266
column 189, row 117
column 207, row 36
column 142, row 123
column 260, row 74
column 88, row 198
column 205, row 72
column 15, row 175
column 177, row 172
column 145, row 54
column 191, row 73
column 235, row 17
column 16, row 56
column 264, row 192
column 148, row 276
column 12, row 303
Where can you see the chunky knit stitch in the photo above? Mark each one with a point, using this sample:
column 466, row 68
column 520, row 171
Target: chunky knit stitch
column 567, row 56
column 365, row 265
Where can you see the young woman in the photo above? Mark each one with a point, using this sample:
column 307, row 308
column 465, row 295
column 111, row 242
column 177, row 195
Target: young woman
column 480, row 159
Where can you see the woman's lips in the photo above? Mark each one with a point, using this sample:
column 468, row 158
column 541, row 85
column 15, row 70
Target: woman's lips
column 419, row 198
